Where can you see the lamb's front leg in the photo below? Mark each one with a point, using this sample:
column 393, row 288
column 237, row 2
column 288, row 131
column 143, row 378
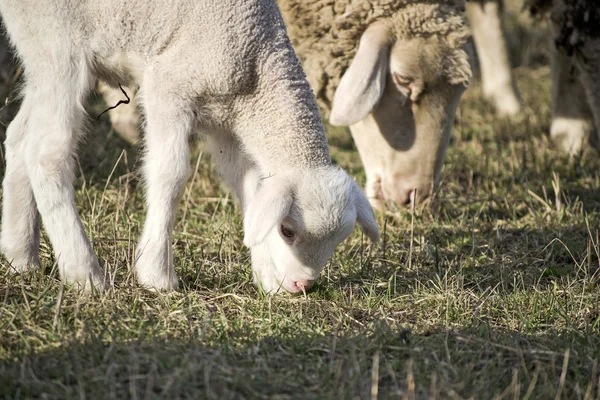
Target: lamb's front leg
column 242, row 175
column 263, row 269
column 165, row 171
column 20, row 220
column 53, row 126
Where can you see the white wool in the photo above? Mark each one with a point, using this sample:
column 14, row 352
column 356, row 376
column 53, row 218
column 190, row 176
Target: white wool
column 225, row 67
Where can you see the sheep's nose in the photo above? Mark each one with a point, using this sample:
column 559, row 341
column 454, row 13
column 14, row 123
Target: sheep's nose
column 303, row 284
column 407, row 198
column 410, row 196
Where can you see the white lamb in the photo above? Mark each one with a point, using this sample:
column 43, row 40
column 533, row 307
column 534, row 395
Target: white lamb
column 224, row 67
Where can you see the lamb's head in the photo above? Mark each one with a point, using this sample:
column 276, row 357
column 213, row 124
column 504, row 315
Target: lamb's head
column 296, row 220
column 399, row 97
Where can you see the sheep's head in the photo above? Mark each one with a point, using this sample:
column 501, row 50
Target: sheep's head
column 399, row 97
column 295, row 222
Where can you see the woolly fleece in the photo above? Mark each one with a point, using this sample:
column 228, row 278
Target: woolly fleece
column 325, row 34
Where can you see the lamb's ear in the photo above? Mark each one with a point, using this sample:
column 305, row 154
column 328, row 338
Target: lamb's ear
column 364, row 215
column 267, row 209
column 363, row 83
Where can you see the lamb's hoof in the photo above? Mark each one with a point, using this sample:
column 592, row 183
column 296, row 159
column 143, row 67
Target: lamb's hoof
column 23, row 265
column 159, row 283
column 84, row 278
column 20, row 262
column 153, row 280
column 154, row 268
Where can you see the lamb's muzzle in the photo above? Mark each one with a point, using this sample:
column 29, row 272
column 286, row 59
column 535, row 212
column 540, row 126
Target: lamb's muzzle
column 224, row 67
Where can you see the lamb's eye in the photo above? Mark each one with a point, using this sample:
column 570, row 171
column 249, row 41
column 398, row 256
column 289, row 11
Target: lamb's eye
column 287, row 232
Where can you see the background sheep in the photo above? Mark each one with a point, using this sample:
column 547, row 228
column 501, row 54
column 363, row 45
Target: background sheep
column 249, row 97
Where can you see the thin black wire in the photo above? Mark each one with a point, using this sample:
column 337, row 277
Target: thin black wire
column 116, row 105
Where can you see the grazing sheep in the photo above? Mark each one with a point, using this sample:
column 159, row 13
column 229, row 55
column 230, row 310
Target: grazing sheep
column 497, row 80
column 392, row 70
column 575, row 71
column 223, row 67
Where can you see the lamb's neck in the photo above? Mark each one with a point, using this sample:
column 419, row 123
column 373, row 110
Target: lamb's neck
column 281, row 129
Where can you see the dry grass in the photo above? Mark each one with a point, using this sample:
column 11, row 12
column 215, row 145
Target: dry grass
column 491, row 292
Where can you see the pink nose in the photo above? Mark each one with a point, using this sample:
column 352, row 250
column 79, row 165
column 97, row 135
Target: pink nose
column 409, row 197
column 303, row 284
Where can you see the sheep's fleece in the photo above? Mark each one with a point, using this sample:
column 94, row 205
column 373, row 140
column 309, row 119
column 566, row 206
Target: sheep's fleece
column 223, row 67
column 325, row 34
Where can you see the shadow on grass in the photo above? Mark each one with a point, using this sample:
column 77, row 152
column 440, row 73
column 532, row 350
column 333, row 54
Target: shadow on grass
column 388, row 360
column 477, row 259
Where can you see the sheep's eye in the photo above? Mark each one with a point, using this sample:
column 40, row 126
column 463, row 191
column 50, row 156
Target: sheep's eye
column 402, row 80
column 287, row 232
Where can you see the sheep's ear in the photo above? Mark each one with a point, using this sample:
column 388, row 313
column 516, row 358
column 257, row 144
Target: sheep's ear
column 267, row 209
column 363, row 83
column 364, row 215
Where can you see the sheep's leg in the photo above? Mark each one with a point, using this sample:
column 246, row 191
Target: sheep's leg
column 589, row 67
column 240, row 174
column 54, row 124
column 571, row 117
column 496, row 74
column 235, row 168
column 263, row 269
column 20, row 219
column 166, row 170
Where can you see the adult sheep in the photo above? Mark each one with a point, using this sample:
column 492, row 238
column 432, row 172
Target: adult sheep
column 394, row 71
column 225, row 67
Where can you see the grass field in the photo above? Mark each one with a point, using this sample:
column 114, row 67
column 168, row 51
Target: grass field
column 490, row 292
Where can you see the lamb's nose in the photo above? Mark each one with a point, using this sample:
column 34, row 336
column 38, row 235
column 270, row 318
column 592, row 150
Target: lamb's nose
column 304, row 284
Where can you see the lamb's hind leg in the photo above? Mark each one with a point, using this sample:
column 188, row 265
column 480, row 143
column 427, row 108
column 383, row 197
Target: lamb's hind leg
column 20, row 219
column 54, row 125
column 166, row 168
